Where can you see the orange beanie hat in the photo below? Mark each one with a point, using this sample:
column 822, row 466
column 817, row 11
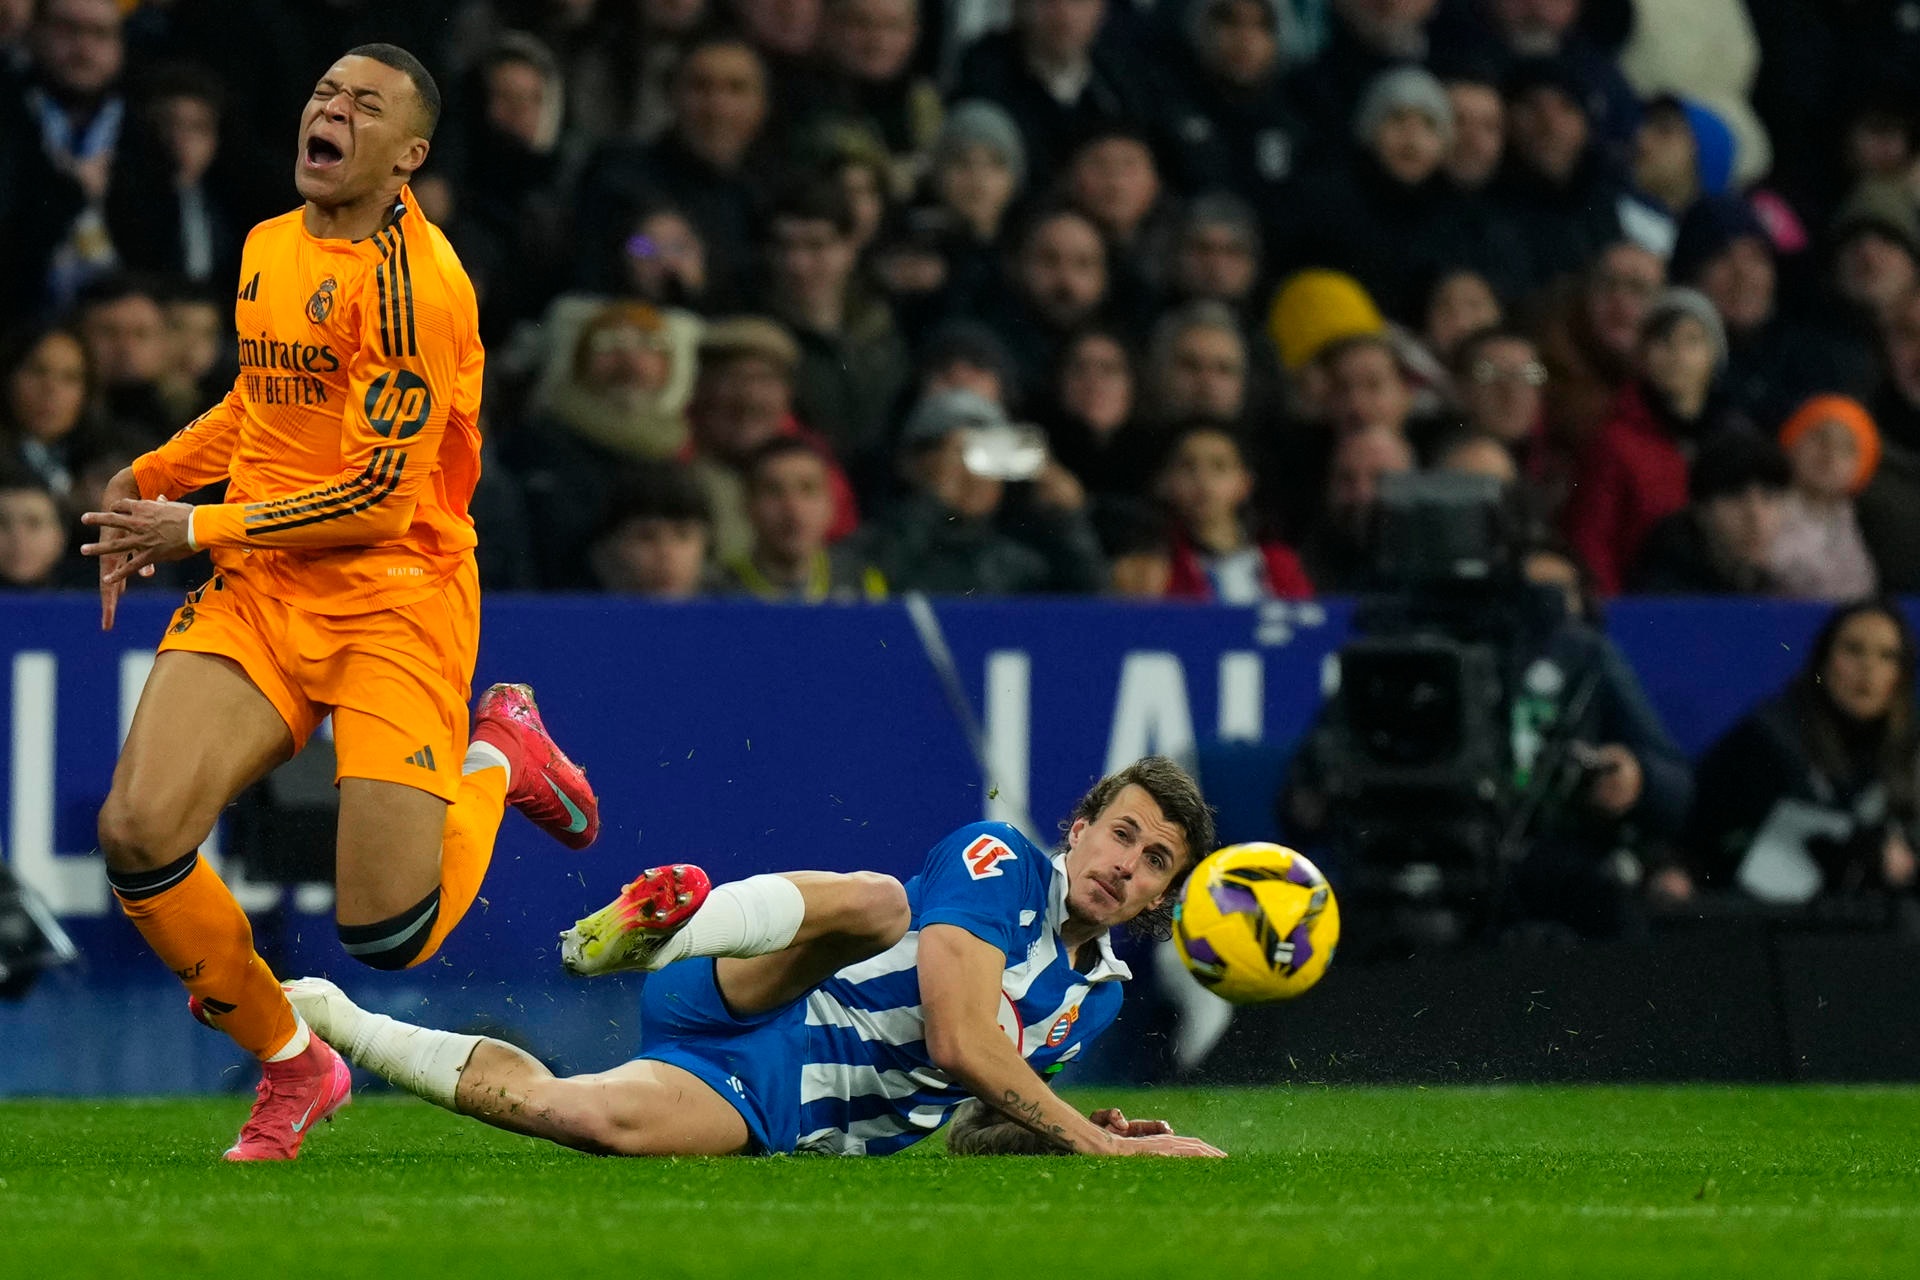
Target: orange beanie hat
column 1849, row 413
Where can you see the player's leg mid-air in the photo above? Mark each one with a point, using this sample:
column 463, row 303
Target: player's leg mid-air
column 780, row 935
column 172, row 781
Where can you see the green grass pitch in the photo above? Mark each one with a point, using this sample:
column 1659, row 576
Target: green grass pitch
column 1323, row 1182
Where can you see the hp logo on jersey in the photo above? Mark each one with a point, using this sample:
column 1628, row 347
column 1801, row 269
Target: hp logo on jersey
column 398, row 404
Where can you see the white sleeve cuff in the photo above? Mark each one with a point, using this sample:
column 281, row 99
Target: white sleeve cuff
column 192, row 542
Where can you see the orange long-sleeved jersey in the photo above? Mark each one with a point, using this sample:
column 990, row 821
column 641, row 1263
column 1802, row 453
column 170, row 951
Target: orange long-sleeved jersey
column 351, row 439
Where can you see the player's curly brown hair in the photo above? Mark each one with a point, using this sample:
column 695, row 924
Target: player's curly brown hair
column 1179, row 798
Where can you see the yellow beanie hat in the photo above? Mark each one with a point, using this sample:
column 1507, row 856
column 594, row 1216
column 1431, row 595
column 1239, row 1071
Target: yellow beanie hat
column 1315, row 308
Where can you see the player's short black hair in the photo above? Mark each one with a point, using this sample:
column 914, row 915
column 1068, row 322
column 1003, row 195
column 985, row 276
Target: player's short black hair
column 424, row 87
column 1180, row 801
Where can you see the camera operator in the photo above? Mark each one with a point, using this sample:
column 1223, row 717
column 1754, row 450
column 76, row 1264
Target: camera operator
column 1624, row 788
column 1813, row 794
column 1554, row 785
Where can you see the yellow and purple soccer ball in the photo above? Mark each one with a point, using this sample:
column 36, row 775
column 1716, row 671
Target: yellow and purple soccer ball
column 1256, row 922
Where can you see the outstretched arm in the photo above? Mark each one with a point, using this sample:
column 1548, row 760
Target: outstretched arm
column 960, row 992
column 979, row 1130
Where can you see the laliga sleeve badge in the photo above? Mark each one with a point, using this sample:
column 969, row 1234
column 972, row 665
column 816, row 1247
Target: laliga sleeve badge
column 320, row 305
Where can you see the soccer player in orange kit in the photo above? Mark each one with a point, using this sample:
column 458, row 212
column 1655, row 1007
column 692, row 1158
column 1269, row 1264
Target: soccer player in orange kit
column 344, row 584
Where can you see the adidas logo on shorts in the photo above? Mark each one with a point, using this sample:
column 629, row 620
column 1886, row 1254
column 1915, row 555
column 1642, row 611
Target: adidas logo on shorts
column 423, row 758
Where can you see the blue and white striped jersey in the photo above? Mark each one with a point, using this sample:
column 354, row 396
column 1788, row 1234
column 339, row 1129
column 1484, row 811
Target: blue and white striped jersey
column 867, row 1085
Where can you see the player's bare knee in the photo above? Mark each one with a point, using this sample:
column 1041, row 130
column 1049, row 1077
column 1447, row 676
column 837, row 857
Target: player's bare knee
column 879, row 909
column 135, row 836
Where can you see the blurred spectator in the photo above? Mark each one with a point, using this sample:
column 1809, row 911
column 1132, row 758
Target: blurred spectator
column 1459, row 303
column 1366, row 38
column 628, row 385
column 196, row 372
column 1682, row 152
column 597, row 52
column 1833, row 448
column 1207, row 486
column 663, row 29
column 1095, row 397
column 59, row 130
column 952, row 535
column 789, row 488
column 704, row 164
column 1722, row 543
column 1876, row 255
column 1633, row 473
column 1238, row 131
column 1814, row 792
column 1217, row 254
column 1773, row 362
column 1336, row 554
column 979, row 168
column 513, row 158
column 657, row 535
column 1057, row 281
column 125, row 330
column 1590, row 338
column 1389, row 216
column 868, row 47
column 1367, row 388
column 964, row 354
column 1479, row 140
column 1197, row 365
column 1311, row 311
column 47, row 379
column 172, row 205
column 786, row 32
column 33, row 538
column 852, row 159
column 621, row 396
column 1113, row 178
column 853, row 362
column 1501, row 384
column 1139, row 553
column 743, row 399
column 1520, row 30
column 1054, row 79
column 1708, row 50
column 665, row 259
column 1886, row 507
column 1557, row 186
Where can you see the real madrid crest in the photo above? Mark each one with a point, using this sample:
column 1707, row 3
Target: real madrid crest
column 320, row 305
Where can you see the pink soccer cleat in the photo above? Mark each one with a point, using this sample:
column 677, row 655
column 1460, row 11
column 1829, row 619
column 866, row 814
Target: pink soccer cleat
column 292, row 1097
column 547, row 787
column 628, row 932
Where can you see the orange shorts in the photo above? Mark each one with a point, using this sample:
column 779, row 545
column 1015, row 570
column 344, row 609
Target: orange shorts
column 396, row 681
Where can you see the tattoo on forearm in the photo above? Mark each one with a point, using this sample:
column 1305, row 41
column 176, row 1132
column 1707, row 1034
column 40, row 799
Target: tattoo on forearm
column 1029, row 1112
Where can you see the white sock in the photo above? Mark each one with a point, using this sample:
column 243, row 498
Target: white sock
column 424, row 1062
column 484, row 755
column 302, row 1036
column 753, row 917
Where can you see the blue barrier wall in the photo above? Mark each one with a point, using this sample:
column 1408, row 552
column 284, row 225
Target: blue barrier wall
column 742, row 736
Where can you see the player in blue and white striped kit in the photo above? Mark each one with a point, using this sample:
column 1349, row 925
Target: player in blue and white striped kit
column 845, row 1014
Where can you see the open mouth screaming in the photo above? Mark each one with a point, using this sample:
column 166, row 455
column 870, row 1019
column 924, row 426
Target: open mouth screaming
column 322, row 154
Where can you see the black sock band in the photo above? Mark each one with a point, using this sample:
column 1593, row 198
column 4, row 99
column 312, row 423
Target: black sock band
column 135, row 885
column 394, row 942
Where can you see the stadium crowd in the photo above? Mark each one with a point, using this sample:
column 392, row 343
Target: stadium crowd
column 828, row 298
